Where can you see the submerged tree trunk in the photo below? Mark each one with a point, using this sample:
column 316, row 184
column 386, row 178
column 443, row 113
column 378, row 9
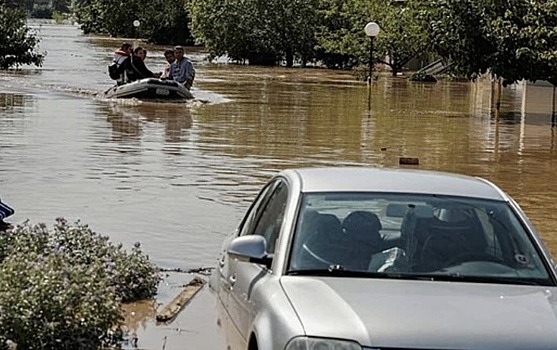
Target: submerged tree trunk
column 499, row 93
column 289, row 58
column 262, row 60
column 553, row 115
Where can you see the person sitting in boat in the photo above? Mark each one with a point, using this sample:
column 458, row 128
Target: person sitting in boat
column 181, row 70
column 121, row 59
column 137, row 69
column 169, row 57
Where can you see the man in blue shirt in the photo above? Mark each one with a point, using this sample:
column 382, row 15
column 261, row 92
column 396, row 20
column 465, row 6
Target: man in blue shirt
column 181, row 70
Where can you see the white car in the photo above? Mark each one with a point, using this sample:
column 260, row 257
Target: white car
column 391, row 259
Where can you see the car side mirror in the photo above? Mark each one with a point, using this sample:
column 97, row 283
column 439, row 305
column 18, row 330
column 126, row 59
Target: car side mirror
column 251, row 248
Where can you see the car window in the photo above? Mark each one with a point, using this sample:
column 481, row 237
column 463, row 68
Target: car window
column 250, row 219
column 270, row 221
column 405, row 235
column 266, row 218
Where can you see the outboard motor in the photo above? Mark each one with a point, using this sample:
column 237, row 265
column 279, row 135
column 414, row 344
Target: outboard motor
column 5, row 211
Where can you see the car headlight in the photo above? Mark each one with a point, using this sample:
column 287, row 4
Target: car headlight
column 305, row 343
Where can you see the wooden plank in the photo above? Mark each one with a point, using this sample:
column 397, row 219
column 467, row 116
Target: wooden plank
column 171, row 310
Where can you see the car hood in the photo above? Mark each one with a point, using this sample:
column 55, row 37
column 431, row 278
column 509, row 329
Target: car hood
column 425, row 314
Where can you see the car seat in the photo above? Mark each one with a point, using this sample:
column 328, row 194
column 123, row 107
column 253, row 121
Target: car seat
column 436, row 243
column 363, row 239
column 325, row 245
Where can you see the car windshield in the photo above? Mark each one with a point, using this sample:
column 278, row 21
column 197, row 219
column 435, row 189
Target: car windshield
column 415, row 237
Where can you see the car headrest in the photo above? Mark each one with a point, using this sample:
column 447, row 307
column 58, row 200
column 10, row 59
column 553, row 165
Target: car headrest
column 363, row 220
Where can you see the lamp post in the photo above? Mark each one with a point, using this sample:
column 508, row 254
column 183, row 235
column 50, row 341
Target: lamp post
column 371, row 29
column 136, row 25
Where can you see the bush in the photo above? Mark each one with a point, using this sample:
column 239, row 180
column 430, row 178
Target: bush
column 61, row 288
column 17, row 42
column 58, row 17
column 47, row 303
column 44, row 12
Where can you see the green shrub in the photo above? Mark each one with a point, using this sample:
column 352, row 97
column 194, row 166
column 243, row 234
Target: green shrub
column 61, row 288
column 47, row 303
column 58, row 17
column 132, row 274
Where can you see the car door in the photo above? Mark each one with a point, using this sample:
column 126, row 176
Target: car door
column 223, row 269
column 266, row 221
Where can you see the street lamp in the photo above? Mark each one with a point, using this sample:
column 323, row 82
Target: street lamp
column 371, row 29
column 136, row 25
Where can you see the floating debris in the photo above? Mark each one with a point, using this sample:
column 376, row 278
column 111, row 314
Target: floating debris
column 408, row 161
column 170, row 311
column 206, row 271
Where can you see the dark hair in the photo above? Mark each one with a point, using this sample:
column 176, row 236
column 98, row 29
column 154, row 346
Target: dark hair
column 137, row 50
column 168, row 52
column 125, row 46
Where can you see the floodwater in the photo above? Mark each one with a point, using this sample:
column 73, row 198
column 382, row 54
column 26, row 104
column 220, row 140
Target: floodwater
column 178, row 177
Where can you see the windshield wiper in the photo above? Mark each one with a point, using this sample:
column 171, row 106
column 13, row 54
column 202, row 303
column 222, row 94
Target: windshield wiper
column 455, row 277
column 339, row 271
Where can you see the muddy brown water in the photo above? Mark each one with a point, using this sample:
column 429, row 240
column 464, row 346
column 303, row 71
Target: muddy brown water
column 178, row 177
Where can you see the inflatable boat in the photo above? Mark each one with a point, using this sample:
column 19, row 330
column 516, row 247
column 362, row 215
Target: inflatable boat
column 150, row 88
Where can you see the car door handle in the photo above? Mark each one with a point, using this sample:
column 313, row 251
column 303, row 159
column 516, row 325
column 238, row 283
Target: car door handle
column 232, row 280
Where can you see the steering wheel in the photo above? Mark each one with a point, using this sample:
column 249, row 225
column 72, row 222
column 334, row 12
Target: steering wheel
column 475, row 256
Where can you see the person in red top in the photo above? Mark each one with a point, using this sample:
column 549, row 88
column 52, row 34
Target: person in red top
column 122, row 59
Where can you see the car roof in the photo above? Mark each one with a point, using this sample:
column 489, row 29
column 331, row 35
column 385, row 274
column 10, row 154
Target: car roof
column 368, row 179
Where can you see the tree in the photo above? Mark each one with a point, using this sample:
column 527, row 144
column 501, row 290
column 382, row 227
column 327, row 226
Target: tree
column 526, row 42
column 61, row 5
column 165, row 22
column 511, row 39
column 226, row 27
column 403, row 33
column 17, row 42
column 293, row 24
column 341, row 42
column 24, row 4
column 161, row 21
column 260, row 31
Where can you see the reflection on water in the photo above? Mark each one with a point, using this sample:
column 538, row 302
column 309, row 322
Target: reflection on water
column 12, row 100
column 127, row 121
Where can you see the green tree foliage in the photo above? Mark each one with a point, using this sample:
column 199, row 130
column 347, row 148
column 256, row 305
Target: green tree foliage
column 260, row 31
column 31, row 6
column 403, row 34
column 61, row 5
column 161, row 21
column 17, row 42
column 341, row 39
column 330, row 31
column 512, row 39
column 24, row 4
